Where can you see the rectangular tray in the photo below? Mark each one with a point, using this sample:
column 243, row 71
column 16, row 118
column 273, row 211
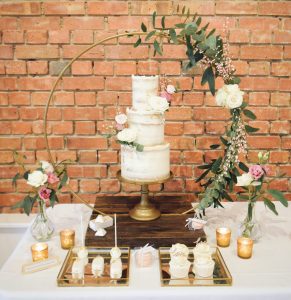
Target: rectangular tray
column 221, row 274
column 65, row 275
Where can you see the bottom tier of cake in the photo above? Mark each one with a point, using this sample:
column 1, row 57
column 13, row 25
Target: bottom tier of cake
column 152, row 164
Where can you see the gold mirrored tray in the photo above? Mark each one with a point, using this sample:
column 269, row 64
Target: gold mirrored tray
column 65, row 278
column 221, row 274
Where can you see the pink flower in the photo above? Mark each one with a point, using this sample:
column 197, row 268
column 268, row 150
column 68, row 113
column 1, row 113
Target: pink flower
column 52, row 178
column 44, row 193
column 166, row 95
column 119, row 126
column 256, row 171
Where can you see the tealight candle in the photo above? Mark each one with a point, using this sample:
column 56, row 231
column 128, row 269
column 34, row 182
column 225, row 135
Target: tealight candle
column 244, row 247
column 39, row 251
column 223, row 236
column 67, row 238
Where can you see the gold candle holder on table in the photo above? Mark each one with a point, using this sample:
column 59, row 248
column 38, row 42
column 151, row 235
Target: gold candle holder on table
column 244, row 247
column 39, row 251
column 67, row 237
column 223, row 235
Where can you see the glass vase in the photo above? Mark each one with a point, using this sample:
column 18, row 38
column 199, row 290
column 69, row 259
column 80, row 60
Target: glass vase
column 250, row 227
column 42, row 228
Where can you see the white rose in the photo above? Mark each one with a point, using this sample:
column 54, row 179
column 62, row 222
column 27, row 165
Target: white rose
column 47, row 167
column 158, row 104
column 37, row 178
column 245, row 179
column 121, row 119
column 127, row 135
column 170, row 89
column 229, row 96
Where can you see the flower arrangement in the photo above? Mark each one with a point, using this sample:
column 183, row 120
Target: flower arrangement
column 45, row 181
column 256, row 187
column 167, row 89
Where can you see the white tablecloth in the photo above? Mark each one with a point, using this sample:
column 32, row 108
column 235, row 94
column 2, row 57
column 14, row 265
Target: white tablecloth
column 267, row 275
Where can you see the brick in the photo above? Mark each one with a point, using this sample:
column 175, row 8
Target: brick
column 25, row 8
column 36, row 83
column 62, row 155
column 36, row 37
column 279, row 156
column 80, row 83
column 215, row 127
column 193, row 99
column 210, row 114
column 205, row 142
column 259, row 68
column 21, row 128
column 82, row 68
column 6, row 52
column 6, row 157
column 39, row 143
column 110, row 185
column 201, row 7
column 43, row 52
column 107, row 157
column 8, row 23
column 13, row 37
column 174, row 185
column 59, row 36
column 16, row 67
column 57, row 66
column 19, row 98
column 286, row 142
column 239, row 36
column 259, row 98
column 236, row 8
column 170, row 67
column 175, row 157
column 81, row 113
column 3, row 99
column 126, row 52
column 147, row 68
column 118, row 83
column 85, row 98
column 63, row 99
column 285, row 84
column 82, row 36
column 37, row 67
column 8, row 84
column 85, row 128
column 280, row 127
column 263, row 126
column 93, row 23
column 241, row 67
column 182, row 171
column 282, row 36
column 174, row 128
column 280, row 99
column 107, row 8
column 38, row 23
column 261, row 52
column 107, row 98
column 182, row 143
column 88, row 156
column 89, row 186
column 64, row 8
column 10, row 143
column 281, row 68
column 125, row 68
column 70, row 51
column 178, row 114
column 261, row 37
column 265, row 113
column 193, row 157
column 274, row 8
column 264, row 142
column 8, row 113
column 39, row 98
column 103, row 68
column 128, row 22
column 193, row 128
column 262, row 23
column 63, row 128
column 285, row 114
column 147, row 8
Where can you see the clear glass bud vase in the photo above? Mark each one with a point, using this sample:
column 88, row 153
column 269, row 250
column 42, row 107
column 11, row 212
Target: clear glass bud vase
column 42, row 228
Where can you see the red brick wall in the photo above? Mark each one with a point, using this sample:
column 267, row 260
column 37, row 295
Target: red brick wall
column 38, row 38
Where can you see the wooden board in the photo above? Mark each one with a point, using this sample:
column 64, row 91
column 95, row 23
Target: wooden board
column 163, row 232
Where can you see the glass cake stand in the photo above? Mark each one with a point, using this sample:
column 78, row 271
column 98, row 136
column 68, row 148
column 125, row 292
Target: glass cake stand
column 144, row 210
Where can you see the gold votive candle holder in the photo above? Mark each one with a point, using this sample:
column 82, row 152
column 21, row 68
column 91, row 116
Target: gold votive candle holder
column 39, row 251
column 223, row 235
column 245, row 247
column 67, row 237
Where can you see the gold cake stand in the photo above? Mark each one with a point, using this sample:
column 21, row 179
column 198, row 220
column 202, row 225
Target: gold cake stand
column 144, row 210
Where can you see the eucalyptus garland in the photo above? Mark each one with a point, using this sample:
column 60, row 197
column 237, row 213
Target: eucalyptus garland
column 208, row 50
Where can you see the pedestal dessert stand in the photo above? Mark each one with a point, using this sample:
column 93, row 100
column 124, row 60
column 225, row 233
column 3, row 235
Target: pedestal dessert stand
column 144, row 210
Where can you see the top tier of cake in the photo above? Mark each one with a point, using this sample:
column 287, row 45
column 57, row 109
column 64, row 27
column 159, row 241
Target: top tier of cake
column 143, row 87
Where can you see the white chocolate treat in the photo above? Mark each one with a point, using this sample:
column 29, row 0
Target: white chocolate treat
column 115, row 253
column 78, row 269
column 179, row 267
column 115, row 268
column 178, row 250
column 83, row 255
column 143, row 87
column 98, row 266
column 201, row 248
column 101, row 222
column 100, row 232
column 148, row 125
column 203, row 265
column 152, row 164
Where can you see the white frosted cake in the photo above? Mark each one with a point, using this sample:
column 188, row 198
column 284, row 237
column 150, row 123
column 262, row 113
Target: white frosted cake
column 146, row 118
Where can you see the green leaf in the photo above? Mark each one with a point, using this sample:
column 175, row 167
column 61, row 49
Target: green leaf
column 154, row 18
column 251, row 129
column 173, row 36
column 63, row 180
column 198, row 22
column 18, row 205
column 137, row 43
column 216, row 165
column 249, row 114
column 25, row 175
column 208, row 76
column 244, row 197
column 143, row 27
column 244, row 105
column 152, row 33
column 211, row 42
column 215, row 146
column 53, row 198
column 202, row 175
column 211, row 33
column 270, row 205
column 139, row 148
column 28, row 204
column 157, row 47
column 17, row 176
column 178, row 8
column 180, row 25
column 204, row 167
column 163, row 22
column 250, row 211
column 226, row 196
column 278, row 196
column 243, row 167
column 183, row 10
column 224, row 141
column 234, row 80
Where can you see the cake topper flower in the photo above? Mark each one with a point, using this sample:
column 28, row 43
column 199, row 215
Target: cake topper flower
column 167, row 89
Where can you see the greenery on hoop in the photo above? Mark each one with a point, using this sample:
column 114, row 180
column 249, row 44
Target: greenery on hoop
column 203, row 46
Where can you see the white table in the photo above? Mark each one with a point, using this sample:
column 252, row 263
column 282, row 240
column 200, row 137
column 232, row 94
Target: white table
column 267, row 275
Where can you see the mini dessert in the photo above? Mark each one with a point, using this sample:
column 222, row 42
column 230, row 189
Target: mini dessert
column 100, row 232
column 203, row 265
column 83, row 255
column 101, row 222
column 78, row 269
column 179, row 263
column 98, row 266
column 115, row 263
column 144, row 256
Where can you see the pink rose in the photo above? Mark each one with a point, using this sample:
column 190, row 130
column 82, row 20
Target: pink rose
column 256, row 171
column 166, row 95
column 52, row 178
column 44, row 193
column 119, row 126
